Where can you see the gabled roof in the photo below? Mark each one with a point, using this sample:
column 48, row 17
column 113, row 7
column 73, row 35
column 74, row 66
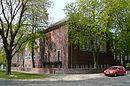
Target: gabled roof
column 57, row 24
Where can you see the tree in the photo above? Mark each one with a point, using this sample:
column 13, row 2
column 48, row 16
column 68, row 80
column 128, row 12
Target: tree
column 118, row 10
column 86, row 26
column 14, row 34
column 37, row 20
column 95, row 22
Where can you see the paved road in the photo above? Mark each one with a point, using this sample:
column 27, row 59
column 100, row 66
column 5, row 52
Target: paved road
column 82, row 80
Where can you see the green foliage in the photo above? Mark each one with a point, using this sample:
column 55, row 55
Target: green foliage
column 13, row 65
column 2, row 58
column 118, row 11
column 128, row 65
column 36, row 18
column 16, row 17
column 99, row 21
column 86, row 19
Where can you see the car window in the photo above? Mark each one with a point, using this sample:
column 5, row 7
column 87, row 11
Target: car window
column 113, row 68
column 121, row 68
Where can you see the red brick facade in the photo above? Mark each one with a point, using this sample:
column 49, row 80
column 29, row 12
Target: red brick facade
column 54, row 52
column 56, row 49
column 24, row 59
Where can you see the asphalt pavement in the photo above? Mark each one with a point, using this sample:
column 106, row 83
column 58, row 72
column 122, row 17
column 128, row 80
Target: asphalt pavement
column 98, row 79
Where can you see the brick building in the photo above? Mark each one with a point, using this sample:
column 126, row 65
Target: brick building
column 57, row 52
column 54, row 52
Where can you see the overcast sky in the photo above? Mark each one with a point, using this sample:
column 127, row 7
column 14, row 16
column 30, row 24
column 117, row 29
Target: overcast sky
column 56, row 13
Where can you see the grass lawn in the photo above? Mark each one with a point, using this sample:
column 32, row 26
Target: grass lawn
column 19, row 75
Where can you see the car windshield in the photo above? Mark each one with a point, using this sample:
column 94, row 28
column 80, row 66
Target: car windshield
column 113, row 68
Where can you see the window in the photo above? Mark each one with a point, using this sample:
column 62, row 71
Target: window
column 19, row 58
column 46, row 57
column 86, row 66
column 126, row 57
column 16, row 58
column 38, row 55
column 58, row 55
column 97, row 42
column 25, row 57
column 25, row 65
column 118, row 56
column 29, row 65
column 52, row 66
column 77, row 66
column 30, row 55
column 52, row 45
column 22, row 58
column 115, row 56
column 104, row 65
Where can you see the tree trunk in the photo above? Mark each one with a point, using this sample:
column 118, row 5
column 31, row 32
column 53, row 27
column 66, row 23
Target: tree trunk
column 33, row 61
column 8, row 64
column 122, row 60
column 95, row 59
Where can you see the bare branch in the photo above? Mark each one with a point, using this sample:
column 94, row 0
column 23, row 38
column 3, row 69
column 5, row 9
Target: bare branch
column 20, row 47
column 17, row 8
column 19, row 22
column 3, row 12
column 2, row 24
column 18, row 41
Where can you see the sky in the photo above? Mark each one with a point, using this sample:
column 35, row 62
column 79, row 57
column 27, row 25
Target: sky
column 56, row 13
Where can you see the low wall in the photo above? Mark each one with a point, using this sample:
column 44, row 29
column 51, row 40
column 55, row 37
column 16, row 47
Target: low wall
column 79, row 71
column 60, row 71
column 39, row 70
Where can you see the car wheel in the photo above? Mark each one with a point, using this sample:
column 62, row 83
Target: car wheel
column 115, row 74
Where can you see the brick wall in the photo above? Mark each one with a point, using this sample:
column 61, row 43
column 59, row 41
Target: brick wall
column 60, row 71
column 56, row 40
column 38, row 70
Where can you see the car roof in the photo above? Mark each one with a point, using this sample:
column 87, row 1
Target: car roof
column 117, row 66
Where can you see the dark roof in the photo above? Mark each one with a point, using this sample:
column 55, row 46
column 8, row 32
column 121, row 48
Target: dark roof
column 57, row 24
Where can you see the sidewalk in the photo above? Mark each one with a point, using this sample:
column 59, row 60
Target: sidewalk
column 65, row 77
column 69, row 77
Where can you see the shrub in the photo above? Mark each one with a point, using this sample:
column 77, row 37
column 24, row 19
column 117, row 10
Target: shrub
column 128, row 65
column 14, row 65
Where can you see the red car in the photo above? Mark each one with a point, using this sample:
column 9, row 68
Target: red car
column 115, row 70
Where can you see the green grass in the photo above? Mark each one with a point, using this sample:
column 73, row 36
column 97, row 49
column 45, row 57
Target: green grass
column 19, row 75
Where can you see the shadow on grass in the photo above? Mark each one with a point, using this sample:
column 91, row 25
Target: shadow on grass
column 19, row 75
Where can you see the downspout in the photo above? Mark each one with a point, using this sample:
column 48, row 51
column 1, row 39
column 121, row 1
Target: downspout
column 71, row 57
